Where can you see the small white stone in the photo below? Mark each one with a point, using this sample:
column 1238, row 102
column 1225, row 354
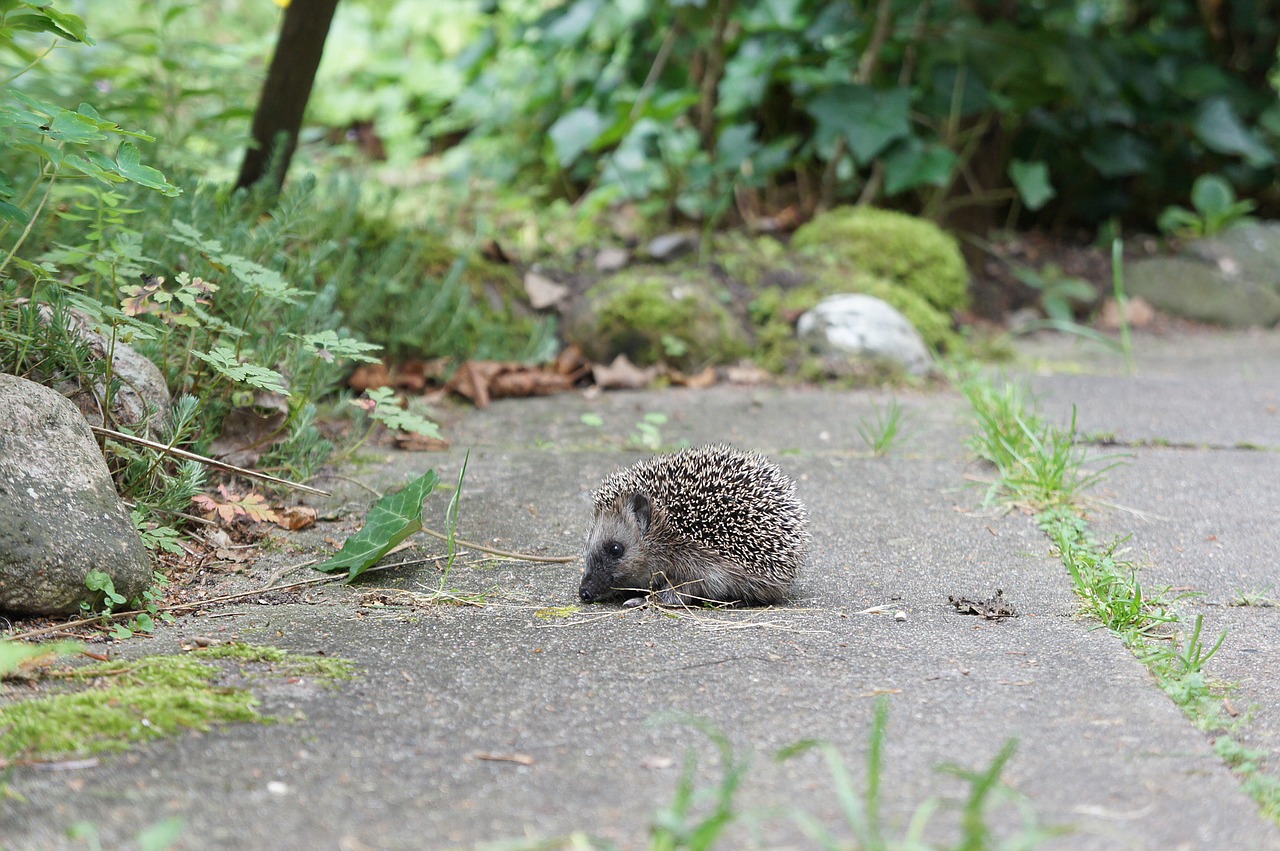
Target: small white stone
column 861, row 326
column 899, row 615
column 277, row 787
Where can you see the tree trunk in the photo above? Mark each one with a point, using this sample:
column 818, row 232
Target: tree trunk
column 286, row 90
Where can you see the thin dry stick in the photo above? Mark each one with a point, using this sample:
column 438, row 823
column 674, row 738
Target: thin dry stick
column 191, row 456
column 502, row 553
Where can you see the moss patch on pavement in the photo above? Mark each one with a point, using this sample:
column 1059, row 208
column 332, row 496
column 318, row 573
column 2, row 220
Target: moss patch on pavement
column 112, row 705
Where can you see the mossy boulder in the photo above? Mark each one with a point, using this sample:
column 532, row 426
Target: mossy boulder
column 680, row 317
column 905, row 250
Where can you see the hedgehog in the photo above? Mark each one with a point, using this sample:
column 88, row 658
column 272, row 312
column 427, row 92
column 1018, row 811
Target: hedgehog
column 707, row 525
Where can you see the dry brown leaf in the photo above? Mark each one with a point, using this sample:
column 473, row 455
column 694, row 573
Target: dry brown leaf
column 1137, row 311
column 622, row 374
column 295, row 517
column 472, row 381
column 698, row 381
column 572, row 362
column 527, row 382
column 414, row 375
column 542, row 291
column 747, row 373
column 413, row 442
column 369, row 376
column 481, row 381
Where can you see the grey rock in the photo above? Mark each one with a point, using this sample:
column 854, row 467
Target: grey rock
column 1232, row 279
column 861, row 327
column 141, row 403
column 60, row 516
column 669, row 246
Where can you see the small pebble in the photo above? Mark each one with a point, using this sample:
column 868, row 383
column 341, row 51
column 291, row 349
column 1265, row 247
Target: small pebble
column 899, row 615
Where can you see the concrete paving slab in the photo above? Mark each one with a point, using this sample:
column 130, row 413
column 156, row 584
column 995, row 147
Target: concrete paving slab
column 417, row 751
column 1203, row 518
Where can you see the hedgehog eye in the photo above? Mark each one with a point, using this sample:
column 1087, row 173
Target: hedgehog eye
column 614, row 549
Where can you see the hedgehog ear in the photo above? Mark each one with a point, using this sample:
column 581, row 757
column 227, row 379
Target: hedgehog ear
column 641, row 509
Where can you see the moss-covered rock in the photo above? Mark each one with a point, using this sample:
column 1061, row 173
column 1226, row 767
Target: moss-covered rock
column 680, row 317
column 902, row 249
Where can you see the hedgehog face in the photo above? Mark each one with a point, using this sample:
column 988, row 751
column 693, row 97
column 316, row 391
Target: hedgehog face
column 616, row 554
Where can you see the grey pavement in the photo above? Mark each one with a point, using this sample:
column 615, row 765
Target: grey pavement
column 572, row 707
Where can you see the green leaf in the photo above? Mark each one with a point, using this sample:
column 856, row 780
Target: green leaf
column 1220, row 129
column 33, row 17
column 382, row 405
column 574, row 132
column 327, row 346
column 225, row 362
column 391, row 519
column 129, row 166
column 13, row 214
column 572, row 22
column 914, row 163
column 1031, row 179
column 1210, row 195
column 868, row 119
column 74, row 128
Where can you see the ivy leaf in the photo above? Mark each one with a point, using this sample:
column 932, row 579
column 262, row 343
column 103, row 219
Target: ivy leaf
column 391, row 519
column 574, row 132
column 914, row 163
column 869, row 120
column 1220, row 129
column 1032, row 182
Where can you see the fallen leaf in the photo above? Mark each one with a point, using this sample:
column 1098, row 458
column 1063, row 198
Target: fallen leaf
column 612, row 259
column 622, row 374
column 217, row 538
column 542, row 291
column 747, row 373
column 369, row 376
column 481, row 381
column 295, row 517
column 698, row 381
column 413, row 442
column 572, row 363
column 1137, row 312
